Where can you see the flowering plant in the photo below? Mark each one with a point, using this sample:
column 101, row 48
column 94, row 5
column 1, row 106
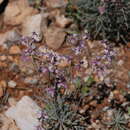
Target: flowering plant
column 103, row 19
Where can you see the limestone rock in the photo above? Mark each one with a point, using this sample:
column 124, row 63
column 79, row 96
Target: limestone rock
column 9, row 38
column 33, row 24
column 62, row 21
column 16, row 12
column 54, row 37
column 13, row 35
column 25, row 114
column 12, row 84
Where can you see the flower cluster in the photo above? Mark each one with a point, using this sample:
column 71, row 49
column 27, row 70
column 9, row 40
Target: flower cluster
column 78, row 42
column 101, row 9
column 101, row 65
column 52, row 57
column 77, row 50
column 47, row 61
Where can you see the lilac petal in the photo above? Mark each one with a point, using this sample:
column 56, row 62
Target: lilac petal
column 50, row 91
column 62, row 85
column 101, row 9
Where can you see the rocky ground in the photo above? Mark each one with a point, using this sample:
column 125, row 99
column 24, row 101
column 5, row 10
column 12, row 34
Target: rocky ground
column 38, row 50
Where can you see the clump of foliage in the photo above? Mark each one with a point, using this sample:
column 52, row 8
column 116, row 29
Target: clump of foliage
column 83, row 86
column 103, row 19
column 118, row 121
column 59, row 116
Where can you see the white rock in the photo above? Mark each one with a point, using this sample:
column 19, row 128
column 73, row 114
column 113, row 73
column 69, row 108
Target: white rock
column 12, row 84
column 11, row 11
column 54, row 37
column 11, row 36
column 128, row 85
column 31, row 80
column 110, row 97
column 25, row 114
column 110, row 113
column 33, row 24
column 120, row 62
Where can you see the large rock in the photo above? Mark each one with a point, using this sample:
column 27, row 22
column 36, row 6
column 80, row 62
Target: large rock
column 25, row 114
column 62, row 21
column 33, row 24
column 54, row 37
column 16, row 12
column 9, row 38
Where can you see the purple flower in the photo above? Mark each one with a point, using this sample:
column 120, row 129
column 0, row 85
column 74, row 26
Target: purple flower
column 44, row 69
column 27, row 41
column 73, row 39
column 39, row 128
column 51, row 91
column 62, row 85
column 36, row 37
column 25, row 58
column 101, row 9
column 51, row 68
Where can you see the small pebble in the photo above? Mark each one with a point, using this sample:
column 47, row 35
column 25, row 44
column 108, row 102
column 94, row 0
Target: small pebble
column 120, row 62
column 31, row 80
column 93, row 103
column 12, row 84
column 111, row 96
column 128, row 85
column 3, row 58
column 14, row 50
column 105, row 108
column 15, row 68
